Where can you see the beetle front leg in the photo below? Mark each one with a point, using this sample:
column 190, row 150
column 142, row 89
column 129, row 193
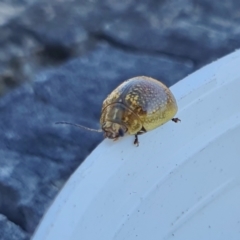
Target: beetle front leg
column 143, row 130
column 136, row 142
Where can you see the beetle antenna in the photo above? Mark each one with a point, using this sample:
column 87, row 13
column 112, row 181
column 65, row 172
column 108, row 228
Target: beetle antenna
column 80, row 126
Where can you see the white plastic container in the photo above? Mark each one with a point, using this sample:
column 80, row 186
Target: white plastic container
column 182, row 182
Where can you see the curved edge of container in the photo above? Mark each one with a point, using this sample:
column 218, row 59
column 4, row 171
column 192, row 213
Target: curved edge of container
column 181, row 181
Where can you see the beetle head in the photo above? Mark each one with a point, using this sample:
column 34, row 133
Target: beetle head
column 113, row 130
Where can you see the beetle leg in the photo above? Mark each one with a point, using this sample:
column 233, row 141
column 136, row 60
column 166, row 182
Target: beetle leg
column 176, row 120
column 143, row 130
column 136, row 142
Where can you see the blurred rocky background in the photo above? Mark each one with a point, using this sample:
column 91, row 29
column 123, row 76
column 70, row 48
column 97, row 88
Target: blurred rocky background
column 59, row 59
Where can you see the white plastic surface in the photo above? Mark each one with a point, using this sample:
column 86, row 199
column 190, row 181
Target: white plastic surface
column 182, row 182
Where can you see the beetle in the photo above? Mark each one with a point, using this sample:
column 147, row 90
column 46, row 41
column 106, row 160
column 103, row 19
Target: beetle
column 136, row 106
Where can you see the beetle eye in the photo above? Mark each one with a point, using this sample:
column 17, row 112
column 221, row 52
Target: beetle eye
column 121, row 132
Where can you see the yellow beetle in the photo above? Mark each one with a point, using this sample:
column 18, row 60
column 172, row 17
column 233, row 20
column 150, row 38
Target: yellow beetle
column 138, row 105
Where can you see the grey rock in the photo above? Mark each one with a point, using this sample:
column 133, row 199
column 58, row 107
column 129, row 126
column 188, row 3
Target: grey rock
column 200, row 31
column 50, row 33
column 11, row 8
column 10, row 231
